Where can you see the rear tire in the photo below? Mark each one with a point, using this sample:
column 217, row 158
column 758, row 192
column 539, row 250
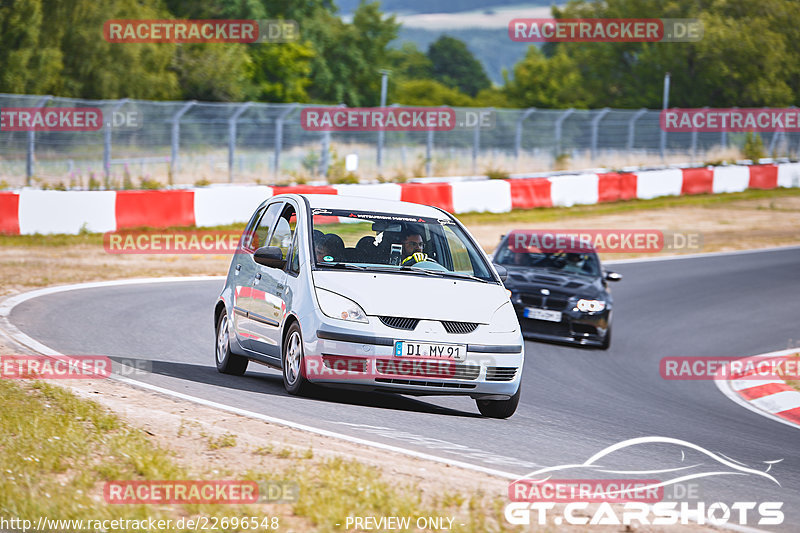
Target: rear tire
column 499, row 408
column 227, row 362
column 294, row 378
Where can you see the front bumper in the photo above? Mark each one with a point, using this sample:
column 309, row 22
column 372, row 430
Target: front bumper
column 576, row 327
column 363, row 358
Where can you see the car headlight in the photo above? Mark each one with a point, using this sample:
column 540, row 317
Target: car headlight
column 590, row 306
column 504, row 320
column 336, row 306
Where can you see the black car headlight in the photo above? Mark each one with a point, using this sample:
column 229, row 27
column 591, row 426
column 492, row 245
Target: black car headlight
column 590, row 306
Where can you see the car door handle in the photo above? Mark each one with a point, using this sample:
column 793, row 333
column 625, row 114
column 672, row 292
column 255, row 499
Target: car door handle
column 258, row 275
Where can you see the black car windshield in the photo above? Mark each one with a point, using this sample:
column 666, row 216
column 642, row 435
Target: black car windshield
column 568, row 262
column 395, row 243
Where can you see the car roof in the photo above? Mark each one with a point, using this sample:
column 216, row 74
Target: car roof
column 334, row 201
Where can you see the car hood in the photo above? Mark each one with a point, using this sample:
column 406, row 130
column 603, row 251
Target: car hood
column 415, row 295
column 575, row 284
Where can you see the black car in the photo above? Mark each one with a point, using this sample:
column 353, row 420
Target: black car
column 559, row 295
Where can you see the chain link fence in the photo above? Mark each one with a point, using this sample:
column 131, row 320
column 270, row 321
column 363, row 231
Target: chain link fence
column 150, row 144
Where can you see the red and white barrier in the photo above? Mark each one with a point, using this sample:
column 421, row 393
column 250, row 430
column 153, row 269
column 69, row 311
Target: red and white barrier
column 35, row 211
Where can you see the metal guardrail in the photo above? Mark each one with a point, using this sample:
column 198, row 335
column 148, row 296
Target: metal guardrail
column 247, row 141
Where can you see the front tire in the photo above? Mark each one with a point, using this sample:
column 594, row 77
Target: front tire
column 227, row 362
column 606, row 340
column 294, row 379
column 499, row 408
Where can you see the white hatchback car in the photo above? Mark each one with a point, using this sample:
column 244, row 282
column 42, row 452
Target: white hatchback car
column 370, row 294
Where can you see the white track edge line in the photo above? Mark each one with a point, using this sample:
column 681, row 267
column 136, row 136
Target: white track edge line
column 15, row 334
column 6, row 306
column 724, row 386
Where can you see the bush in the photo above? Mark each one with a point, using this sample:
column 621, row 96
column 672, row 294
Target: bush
column 561, row 162
column 496, row 174
column 149, row 183
column 202, row 182
column 753, row 147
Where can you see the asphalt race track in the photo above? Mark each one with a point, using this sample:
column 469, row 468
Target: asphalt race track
column 575, row 401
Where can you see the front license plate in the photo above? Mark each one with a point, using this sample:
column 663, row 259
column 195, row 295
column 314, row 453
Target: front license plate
column 542, row 314
column 454, row 352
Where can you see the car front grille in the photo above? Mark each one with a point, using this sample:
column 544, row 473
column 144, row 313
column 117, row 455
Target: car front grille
column 459, row 327
column 398, row 322
column 500, row 373
column 555, row 301
column 417, row 383
column 410, row 324
column 432, row 368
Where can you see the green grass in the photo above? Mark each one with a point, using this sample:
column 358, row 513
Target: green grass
column 57, row 449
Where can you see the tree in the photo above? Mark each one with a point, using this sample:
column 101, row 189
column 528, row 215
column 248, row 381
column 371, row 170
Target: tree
column 94, row 68
column 455, row 66
column 539, row 81
column 348, row 57
column 29, row 63
column 430, row 93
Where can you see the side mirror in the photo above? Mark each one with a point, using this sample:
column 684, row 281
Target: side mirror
column 270, row 256
column 502, row 272
column 613, row 276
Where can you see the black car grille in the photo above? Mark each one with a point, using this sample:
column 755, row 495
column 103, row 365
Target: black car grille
column 459, row 327
column 410, row 324
column 428, row 369
column 416, row 383
column 398, row 322
column 500, row 373
column 555, row 301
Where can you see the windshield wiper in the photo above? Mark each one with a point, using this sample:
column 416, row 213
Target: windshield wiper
column 349, row 266
column 463, row 276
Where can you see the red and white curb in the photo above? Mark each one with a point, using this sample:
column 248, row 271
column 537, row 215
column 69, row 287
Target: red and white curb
column 31, row 211
column 772, row 398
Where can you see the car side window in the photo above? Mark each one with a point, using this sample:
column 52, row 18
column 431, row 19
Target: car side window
column 283, row 233
column 259, row 237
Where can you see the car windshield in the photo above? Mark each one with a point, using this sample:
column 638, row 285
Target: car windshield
column 395, row 243
column 568, row 262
